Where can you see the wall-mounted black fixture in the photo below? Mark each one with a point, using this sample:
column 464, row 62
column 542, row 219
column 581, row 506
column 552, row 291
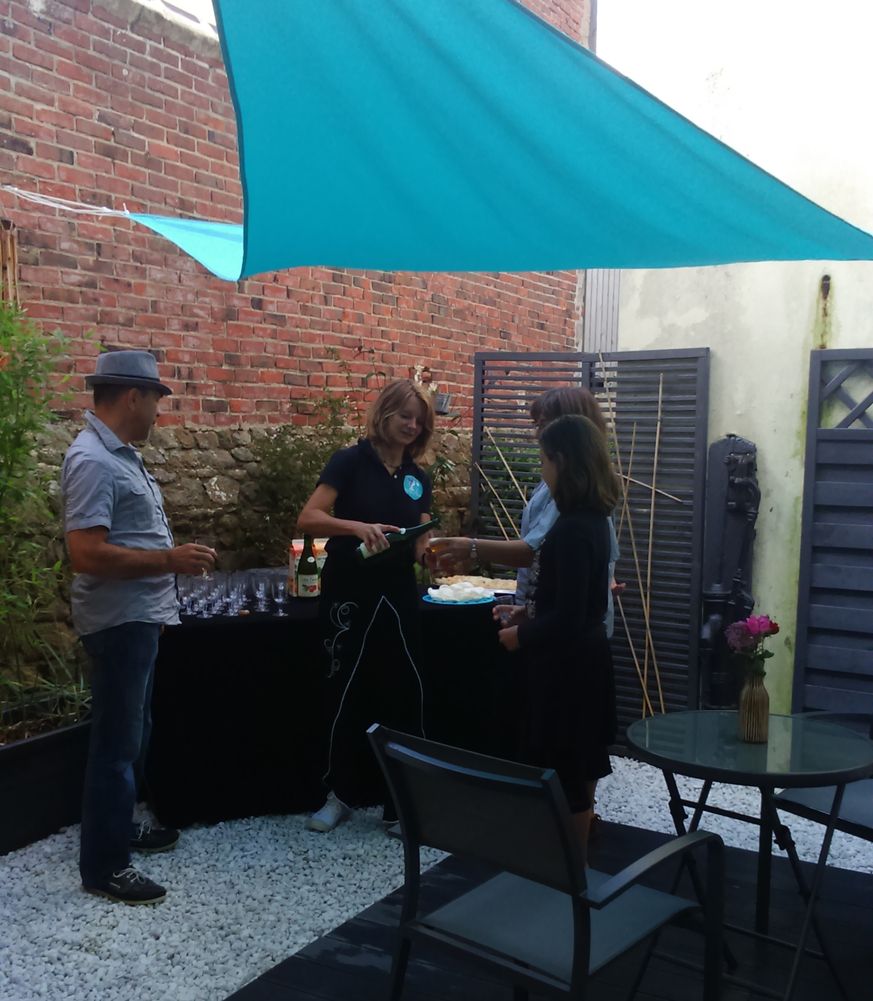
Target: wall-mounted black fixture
column 732, row 500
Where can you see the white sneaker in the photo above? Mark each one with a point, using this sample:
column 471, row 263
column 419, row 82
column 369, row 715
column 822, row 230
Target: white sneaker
column 332, row 813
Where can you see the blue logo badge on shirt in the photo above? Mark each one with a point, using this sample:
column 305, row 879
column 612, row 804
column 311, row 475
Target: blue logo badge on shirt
column 413, row 487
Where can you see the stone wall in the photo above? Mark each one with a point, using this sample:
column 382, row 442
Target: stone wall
column 208, row 479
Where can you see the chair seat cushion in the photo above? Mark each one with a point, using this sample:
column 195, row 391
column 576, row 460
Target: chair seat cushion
column 534, row 924
column 856, row 810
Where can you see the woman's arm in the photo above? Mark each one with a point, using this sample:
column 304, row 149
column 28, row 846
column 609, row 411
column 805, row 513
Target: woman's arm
column 455, row 552
column 317, row 518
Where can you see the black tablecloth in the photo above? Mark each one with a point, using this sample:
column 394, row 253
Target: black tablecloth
column 240, row 726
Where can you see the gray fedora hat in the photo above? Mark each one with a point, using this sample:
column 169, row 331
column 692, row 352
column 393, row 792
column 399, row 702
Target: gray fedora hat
column 127, row 368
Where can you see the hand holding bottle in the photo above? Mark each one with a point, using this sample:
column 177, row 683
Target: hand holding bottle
column 373, row 536
column 386, row 536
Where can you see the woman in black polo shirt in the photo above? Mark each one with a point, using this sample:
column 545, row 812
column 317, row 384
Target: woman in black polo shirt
column 369, row 608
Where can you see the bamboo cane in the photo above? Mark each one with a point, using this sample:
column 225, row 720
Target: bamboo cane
column 642, row 483
column 13, row 281
column 521, row 491
column 646, row 700
column 626, row 508
column 648, row 594
column 484, row 476
column 499, row 522
column 643, row 595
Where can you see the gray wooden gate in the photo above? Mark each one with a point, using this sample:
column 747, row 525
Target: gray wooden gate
column 657, row 402
column 833, row 667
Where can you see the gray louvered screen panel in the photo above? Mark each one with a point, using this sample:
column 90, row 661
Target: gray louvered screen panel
column 506, row 386
column 626, row 384
column 834, row 654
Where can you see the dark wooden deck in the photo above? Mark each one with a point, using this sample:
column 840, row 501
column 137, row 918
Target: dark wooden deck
column 352, row 962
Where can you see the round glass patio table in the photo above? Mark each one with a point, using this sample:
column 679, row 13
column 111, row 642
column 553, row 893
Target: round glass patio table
column 801, row 751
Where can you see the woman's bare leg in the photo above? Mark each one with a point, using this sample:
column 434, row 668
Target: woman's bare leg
column 582, row 820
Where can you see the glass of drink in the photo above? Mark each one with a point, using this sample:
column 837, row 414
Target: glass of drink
column 438, row 556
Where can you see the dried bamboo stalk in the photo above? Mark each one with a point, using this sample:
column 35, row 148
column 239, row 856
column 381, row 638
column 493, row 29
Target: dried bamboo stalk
column 484, row 476
column 625, row 510
column 521, row 491
column 647, row 703
column 13, row 281
column 642, row 483
column 499, row 522
column 648, row 594
column 650, row 645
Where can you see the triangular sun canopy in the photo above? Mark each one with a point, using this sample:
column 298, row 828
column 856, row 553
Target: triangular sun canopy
column 469, row 135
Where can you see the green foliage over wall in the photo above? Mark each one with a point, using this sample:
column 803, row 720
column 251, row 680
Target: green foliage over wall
column 36, row 677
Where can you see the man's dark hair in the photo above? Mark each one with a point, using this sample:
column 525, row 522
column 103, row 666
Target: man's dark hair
column 108, row 393
column 585, row 476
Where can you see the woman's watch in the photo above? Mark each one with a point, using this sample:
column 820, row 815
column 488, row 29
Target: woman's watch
column 474, row 551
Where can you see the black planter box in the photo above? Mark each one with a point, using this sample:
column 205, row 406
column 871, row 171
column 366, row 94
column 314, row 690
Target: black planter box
column 41, row 785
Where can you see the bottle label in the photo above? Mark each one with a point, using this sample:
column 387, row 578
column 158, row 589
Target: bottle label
column 412, row 486
column 307, row 586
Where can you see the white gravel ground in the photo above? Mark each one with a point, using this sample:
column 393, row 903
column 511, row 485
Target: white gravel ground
column 244, row 895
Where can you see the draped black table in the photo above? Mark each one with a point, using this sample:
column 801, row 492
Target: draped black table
column 239, row 721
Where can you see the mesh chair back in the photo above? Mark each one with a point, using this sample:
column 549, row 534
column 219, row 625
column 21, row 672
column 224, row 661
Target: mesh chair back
column 513, row 816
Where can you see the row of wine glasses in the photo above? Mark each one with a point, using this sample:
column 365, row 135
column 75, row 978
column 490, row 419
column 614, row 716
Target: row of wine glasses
column 230, row 593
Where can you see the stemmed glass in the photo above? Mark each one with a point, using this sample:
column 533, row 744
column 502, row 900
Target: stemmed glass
column 280, row 591
column 259, row 591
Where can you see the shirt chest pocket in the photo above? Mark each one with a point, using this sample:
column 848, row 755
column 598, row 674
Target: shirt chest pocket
column 136, row 509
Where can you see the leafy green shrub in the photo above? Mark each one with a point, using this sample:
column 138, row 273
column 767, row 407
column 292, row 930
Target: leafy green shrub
column 291, row 460
column 34, row 671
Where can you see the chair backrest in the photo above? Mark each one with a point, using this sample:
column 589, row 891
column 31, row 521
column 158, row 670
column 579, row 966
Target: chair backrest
column 511, row 815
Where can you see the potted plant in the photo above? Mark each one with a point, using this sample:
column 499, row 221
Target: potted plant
column 43, row 696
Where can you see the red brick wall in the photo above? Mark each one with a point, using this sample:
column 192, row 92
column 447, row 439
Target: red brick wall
column 109, row 105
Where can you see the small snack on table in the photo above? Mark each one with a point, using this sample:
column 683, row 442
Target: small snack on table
column 489, row 583
column 458, row 594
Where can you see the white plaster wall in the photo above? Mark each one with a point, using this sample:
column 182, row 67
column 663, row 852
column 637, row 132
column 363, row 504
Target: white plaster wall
column 788, row 84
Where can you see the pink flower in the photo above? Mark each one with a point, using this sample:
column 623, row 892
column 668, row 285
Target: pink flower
column 762, row 625
column 746, row 638
column 740, row 638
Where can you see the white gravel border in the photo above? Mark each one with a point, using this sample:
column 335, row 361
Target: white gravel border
column 246, row 894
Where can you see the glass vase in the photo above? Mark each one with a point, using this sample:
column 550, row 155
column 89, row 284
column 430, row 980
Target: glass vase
column 753, row 716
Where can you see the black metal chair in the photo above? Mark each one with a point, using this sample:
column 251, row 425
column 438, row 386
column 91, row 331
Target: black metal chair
column 855, row 814
column 544, row 922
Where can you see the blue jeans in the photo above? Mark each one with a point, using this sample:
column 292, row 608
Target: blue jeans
column 123, row 661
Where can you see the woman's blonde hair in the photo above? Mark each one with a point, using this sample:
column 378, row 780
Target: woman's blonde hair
column 389, row 402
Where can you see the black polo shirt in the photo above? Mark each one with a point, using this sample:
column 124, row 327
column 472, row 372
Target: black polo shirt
column 367, row 492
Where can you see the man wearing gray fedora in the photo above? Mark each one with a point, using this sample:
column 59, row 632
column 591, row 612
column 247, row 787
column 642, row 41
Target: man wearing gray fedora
column 123, row 593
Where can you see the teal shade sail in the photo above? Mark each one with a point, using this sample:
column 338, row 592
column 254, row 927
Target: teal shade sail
column 469, row 135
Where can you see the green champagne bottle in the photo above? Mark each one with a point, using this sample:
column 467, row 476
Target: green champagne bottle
column 404, row 536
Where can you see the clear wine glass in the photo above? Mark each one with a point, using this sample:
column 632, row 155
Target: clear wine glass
column 280, row 592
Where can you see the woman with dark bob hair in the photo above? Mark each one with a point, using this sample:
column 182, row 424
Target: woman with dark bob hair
column 569, row 684
column 369, row 607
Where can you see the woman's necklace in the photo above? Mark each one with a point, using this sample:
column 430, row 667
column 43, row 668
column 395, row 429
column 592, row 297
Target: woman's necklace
column 392, row 467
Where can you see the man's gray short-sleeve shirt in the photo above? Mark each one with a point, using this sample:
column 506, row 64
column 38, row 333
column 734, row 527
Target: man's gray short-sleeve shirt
column 104, row 483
